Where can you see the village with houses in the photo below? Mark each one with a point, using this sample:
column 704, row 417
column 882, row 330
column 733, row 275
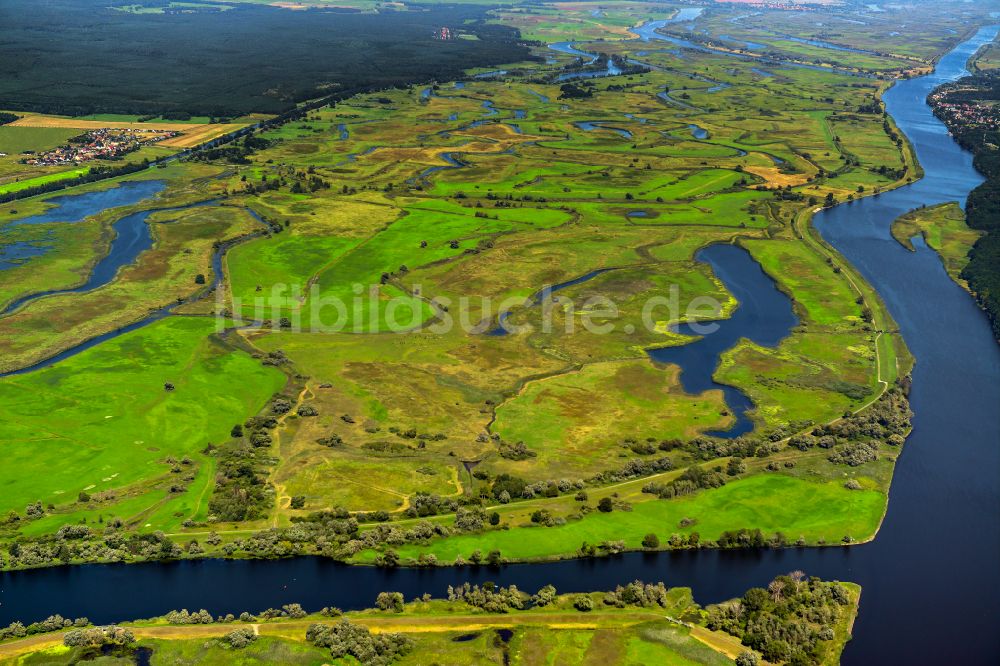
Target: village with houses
column 959, row 106
column 99, row 144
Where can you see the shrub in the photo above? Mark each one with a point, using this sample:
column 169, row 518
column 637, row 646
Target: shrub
column 240, row 638
column 346, row 639
column 390, row 601
column 98, row 637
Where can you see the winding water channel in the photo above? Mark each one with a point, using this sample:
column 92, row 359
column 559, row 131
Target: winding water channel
column 930, row 577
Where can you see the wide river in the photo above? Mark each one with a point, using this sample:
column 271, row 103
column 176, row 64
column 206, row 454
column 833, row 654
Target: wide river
column 930, row 577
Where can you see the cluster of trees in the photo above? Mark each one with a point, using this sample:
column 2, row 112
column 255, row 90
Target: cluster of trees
column 633, row 469
column 51, row 623
column 428, row 504
column 196, row 73
column 98, row 637
column 983, row 206
column 242, row 491
column 576, row 90
column 750, row 538
column 637, row 593
column 240, row 638
column 788, row 621
column 489, row 597
column 7, row 117
column 855, row 438
column 347, row 639
column 691, row 480
column 518, row 451
column 854, row 454
column 184, row 617
column 111, row 544
column 236, row 152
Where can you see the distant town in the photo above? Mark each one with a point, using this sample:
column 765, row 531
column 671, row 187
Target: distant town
column 983, row 114
column 100, row 144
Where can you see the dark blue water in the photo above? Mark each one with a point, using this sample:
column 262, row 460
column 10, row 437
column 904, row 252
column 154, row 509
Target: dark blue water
column 930, row 577
column 543, row 98
column 698, row 132
column 503, row 328
column 452, row 163
column 20, row 252
column 73, row 208
column 764, row 316
column 132, row 237
column 567, row 47
column 591, row 125
column 665, row 96
column 152, row 317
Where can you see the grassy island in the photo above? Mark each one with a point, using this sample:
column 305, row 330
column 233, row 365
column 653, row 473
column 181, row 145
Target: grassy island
column 795, row 620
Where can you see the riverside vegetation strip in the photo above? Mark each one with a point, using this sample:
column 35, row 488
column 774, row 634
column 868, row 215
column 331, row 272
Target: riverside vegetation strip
column 794, row 619
column 431, row 434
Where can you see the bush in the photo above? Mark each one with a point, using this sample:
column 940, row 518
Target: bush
column 92, row 637
column 390, row 601
column 240, row 638
column 583, row 604
column 545, row 596
column 347, row 639
column 651, row 541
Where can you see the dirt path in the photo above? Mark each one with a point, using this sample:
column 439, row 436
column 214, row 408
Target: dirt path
column 376, row 624
column 280, row 496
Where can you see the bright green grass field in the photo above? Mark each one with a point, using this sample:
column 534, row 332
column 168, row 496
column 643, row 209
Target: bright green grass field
column 42, row 180
column 102, row 419
column 769, row 502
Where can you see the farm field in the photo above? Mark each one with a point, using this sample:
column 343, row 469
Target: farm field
column 438, row 303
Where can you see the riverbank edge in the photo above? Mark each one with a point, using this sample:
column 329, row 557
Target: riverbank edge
column 425, row 617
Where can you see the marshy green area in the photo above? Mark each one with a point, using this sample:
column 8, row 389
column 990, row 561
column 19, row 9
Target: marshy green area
column 943, row 229
column 350, row 341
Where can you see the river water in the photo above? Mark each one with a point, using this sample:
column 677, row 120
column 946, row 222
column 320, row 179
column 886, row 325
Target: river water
column 930, row 578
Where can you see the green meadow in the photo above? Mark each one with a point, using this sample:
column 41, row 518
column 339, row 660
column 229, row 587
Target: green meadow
column 944, row 230
column 102, row 422
column 819, row 512
column 403, row 224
